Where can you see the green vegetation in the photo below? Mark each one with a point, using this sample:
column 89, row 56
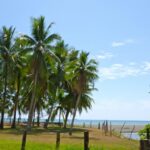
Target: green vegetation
column 39, row 72
column 142, row 133
column 45, row 139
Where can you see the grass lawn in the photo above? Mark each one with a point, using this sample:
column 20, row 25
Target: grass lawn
column 44, row 139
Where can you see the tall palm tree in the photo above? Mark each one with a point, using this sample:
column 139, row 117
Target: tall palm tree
column 85, row 73
column 18, row 65
column 67, row 105
column 57, row 85
column 6, row 47
column 41, row 56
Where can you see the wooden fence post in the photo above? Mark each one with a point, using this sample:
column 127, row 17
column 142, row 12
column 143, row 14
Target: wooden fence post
column 86, row 140
column 141, row 145
column 110, row 129
column 84, row 125
column 122, row 128
column 57, row 140
column 131, row 132
column 99, row 125
column 106, row 128
column 24, row 140
column 91, row 124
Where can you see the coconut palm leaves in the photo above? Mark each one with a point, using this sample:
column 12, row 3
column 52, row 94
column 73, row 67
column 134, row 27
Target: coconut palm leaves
column 84, row 74
column 41, row 73
column 41, row 51
column 6, row 48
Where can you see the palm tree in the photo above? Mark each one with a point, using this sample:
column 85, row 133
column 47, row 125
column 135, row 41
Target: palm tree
column 6, row 47
column 85, row 102
column 18, row 64
column 40, row 105
column 85, row 73
column 16, row 97
column 56, row 87
column 68, row 107
column 59, row 109
column 40, row 60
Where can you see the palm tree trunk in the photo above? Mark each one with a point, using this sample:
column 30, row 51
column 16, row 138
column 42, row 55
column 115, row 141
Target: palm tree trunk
column 32, row 104
column 14, row 118
column 49, row 116
column 66, row 119
column 33, row 119
column 2, row 119
column 74, row 113
column 16, row 102
column 4, row 99
column 10, row 120
column 38, row 117
column 59, row 115
column 19, row 118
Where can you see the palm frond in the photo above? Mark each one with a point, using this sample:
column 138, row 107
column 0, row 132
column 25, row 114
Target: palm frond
column 51, row 38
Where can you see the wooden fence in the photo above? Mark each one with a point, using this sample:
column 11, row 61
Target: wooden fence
column 86, row 140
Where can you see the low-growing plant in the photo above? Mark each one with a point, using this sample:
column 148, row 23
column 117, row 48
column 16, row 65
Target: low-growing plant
column 142, row 133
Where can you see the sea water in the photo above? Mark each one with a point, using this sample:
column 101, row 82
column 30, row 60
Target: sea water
column 113, row 122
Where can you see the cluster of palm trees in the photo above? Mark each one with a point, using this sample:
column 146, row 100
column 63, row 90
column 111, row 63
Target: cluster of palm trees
column 40, row 73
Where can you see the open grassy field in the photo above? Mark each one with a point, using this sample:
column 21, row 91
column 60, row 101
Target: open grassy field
column 45, row 139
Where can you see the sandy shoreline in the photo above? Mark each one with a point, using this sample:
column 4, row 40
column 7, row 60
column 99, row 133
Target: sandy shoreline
column 127, row 128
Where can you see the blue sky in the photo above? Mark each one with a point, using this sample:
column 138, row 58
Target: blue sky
column 116, row 33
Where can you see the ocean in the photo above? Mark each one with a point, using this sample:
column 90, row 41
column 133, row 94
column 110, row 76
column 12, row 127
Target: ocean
column 113, row 122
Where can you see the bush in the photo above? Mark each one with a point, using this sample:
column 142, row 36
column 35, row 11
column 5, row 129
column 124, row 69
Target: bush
column 142, row 133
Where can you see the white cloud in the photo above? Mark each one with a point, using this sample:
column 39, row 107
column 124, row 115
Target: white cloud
column 116, row 71
column 117, row 44
column 124, row 107
column 104, row 55
column 122, row 43
column 146, row 66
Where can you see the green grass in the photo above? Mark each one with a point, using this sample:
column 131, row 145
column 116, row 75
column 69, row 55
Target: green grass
column 41, row 139
column 15, row 145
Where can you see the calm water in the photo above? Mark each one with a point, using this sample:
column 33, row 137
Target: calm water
column 113, row 122
column 96, row 122
column 134, row 136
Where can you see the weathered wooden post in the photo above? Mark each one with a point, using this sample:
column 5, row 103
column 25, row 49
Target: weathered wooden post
column 145, row 144
column 122, row 129
column 91, row 124
column 57, row 140
column 83, row 124
column 141, row 144
column 103, row 127
column 24, row 140
column 86, row 140
column 110, row 129
column 131, row 132
column 99, row 125
column 106, row 128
